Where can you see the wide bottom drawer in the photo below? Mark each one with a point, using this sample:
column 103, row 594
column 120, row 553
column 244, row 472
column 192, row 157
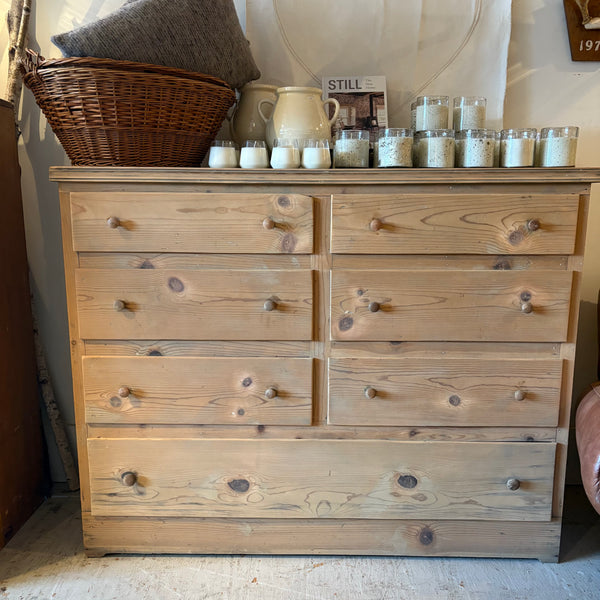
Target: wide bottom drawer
column 321, row 479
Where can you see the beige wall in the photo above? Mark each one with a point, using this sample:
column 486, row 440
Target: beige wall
column 543, row 88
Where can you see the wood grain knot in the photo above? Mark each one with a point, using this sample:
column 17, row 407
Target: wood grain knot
column 260, row 428
column 426, row 536
column 247, row 381
column 239, row 485
column 346, row 323
column 407, row 481
column 176, row 285
column 241, row 412
column 454, row 400
column 283, row 201
column 155, row 353
column 288, row 243
column 502, row 265
column 515, row 237
column 525, row 296
column 116, row 402
column 146, row 265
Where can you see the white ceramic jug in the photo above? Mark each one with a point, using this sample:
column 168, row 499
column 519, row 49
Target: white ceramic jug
column 298, row 112
column 246, row 124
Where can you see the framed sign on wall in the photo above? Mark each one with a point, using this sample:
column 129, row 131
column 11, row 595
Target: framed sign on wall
column 583, row 24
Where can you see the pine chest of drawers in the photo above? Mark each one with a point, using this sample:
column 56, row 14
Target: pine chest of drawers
column 326, row 362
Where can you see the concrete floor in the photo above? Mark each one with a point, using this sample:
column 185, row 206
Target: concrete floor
column 45, row 561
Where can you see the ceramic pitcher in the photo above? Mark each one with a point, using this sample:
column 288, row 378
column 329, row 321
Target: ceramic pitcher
column 246, row 123
column 298, row 112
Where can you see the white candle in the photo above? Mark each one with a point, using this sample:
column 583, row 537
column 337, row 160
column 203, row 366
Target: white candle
column 285, row 157
column 316, row 158
column 222, row 157
column 254, row 158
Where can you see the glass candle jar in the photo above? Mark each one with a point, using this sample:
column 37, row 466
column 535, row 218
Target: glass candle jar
column 536, row 152
column 222, row 155
column 475, row 147
column 254, row 155
column 394, row 147
column 469, row 112
column 351, row 148
column 517, row 147
column 316, row 154
column 497, row 150
column 435, row 148
column 558, row 146
column 413, row 115
column 285, row 154
column 432, row 112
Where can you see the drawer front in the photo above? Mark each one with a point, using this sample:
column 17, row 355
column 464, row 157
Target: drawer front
column 454, row 224
column 188, row 304
column 326, row 479
column 451, row 392
column 178, row 222
column 450, row 305
column 190, row 390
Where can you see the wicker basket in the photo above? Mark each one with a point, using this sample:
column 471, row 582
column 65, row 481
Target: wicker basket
column 117, row 113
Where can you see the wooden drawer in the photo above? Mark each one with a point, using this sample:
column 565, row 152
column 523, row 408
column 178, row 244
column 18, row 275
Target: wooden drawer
column 454, row 224
column 192, row 304
column 180, row 222
column 450, row 305
column 451, row 392
column 326, row 479
column 218, row 391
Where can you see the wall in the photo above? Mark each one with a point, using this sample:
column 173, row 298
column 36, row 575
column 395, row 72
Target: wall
column 543, row 88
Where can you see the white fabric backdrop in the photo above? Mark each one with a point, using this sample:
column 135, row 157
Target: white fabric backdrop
column 449, row 47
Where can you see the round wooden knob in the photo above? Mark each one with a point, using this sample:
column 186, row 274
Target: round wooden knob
column 268, row 223
column 526, row 307
column 370, row 392
column 271, row 393
column 270, row 305
column 513, row 484
column 113, row 222
column 520, row 395
column 374, row 306
column 375, row 225
column 124, row 392
column 129, row 478
column 119, row 305
column 533, row 225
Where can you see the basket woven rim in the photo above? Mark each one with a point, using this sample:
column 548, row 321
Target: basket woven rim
column 34, row 62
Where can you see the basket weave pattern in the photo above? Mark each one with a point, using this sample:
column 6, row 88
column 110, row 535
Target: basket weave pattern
column 118, row 113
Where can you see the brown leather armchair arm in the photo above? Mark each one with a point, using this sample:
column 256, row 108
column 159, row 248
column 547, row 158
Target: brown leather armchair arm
column 587, row 432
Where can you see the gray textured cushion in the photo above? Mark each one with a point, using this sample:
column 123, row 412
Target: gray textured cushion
column 198, row 35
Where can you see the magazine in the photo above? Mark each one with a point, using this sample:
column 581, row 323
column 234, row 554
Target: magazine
column 363, row 102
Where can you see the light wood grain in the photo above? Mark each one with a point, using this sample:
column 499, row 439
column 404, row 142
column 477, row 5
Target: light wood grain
column 322, row 536
column 453, row 224
column 196, row 348
column 180, row 260
column 459, row 306
column 321, row 479
column 209, row 305
column 342, row 177
column 412, row 391
column 325, row 432
column 450, row 262
column 180, row 222
column 198, row 390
